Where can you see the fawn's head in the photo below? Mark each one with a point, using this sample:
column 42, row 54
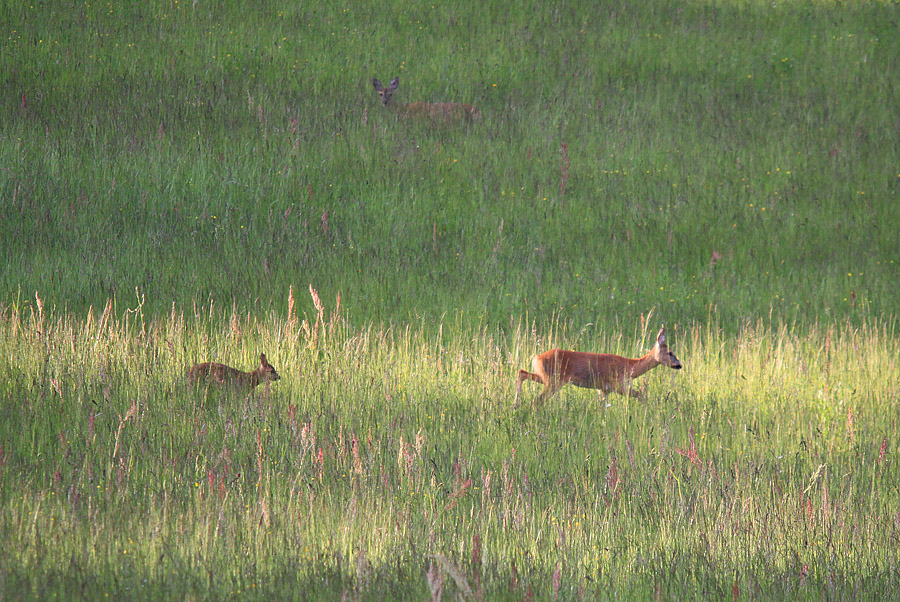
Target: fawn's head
column 266, row 370
column 662, row 354
column 386, row 93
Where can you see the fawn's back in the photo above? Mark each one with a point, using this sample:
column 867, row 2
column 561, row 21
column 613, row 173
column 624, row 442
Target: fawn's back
column 220, row 374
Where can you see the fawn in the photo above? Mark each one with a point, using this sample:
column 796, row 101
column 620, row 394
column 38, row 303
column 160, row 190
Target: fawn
column 220, row 374
column 603, row 371
column 439, row 111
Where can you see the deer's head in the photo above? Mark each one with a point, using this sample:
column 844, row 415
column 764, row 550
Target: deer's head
column 266, row 370
column 662, row 354
column 386, row 93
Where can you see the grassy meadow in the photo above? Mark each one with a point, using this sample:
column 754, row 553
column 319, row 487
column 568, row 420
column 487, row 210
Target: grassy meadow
column 190, row 181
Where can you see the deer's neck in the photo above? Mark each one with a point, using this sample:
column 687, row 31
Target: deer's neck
column 642, row 365
column 253, row 379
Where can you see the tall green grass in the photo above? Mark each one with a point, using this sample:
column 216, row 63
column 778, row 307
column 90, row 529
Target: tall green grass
column 173, row 175
column 387, row 462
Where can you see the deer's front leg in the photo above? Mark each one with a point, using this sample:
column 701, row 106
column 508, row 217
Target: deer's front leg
column 636, row 393
column 625, row 389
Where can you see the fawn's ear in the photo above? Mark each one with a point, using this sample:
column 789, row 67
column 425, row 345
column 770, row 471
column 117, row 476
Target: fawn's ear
column 395, row 83
column 377, row 85
column 661, row 337
column 262, row 359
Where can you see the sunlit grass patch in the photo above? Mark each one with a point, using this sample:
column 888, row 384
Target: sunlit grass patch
column 391, row 458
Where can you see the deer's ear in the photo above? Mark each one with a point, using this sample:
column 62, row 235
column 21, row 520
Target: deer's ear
column 661, row 337
column 262, row 359
column 395, row 82
column 377, row 84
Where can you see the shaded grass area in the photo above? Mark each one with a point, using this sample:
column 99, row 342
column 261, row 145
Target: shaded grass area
column 736, row 157
column 390, row 463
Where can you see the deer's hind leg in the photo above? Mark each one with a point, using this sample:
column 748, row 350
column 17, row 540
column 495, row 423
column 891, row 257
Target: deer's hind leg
column 550, row 389
column 523, row 376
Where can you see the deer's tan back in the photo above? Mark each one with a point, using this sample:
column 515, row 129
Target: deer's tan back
column 582, row 368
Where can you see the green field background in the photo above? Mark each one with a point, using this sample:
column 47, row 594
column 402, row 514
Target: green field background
column 185, row 181
column 224, row 153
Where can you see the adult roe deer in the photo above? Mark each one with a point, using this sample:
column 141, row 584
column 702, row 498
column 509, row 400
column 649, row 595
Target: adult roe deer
column 220, row 374
column 606, row 372
column 442, row 111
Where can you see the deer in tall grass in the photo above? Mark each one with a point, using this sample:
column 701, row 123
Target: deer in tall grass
column 437, row 111
column 606, row 372
column 220, row 374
